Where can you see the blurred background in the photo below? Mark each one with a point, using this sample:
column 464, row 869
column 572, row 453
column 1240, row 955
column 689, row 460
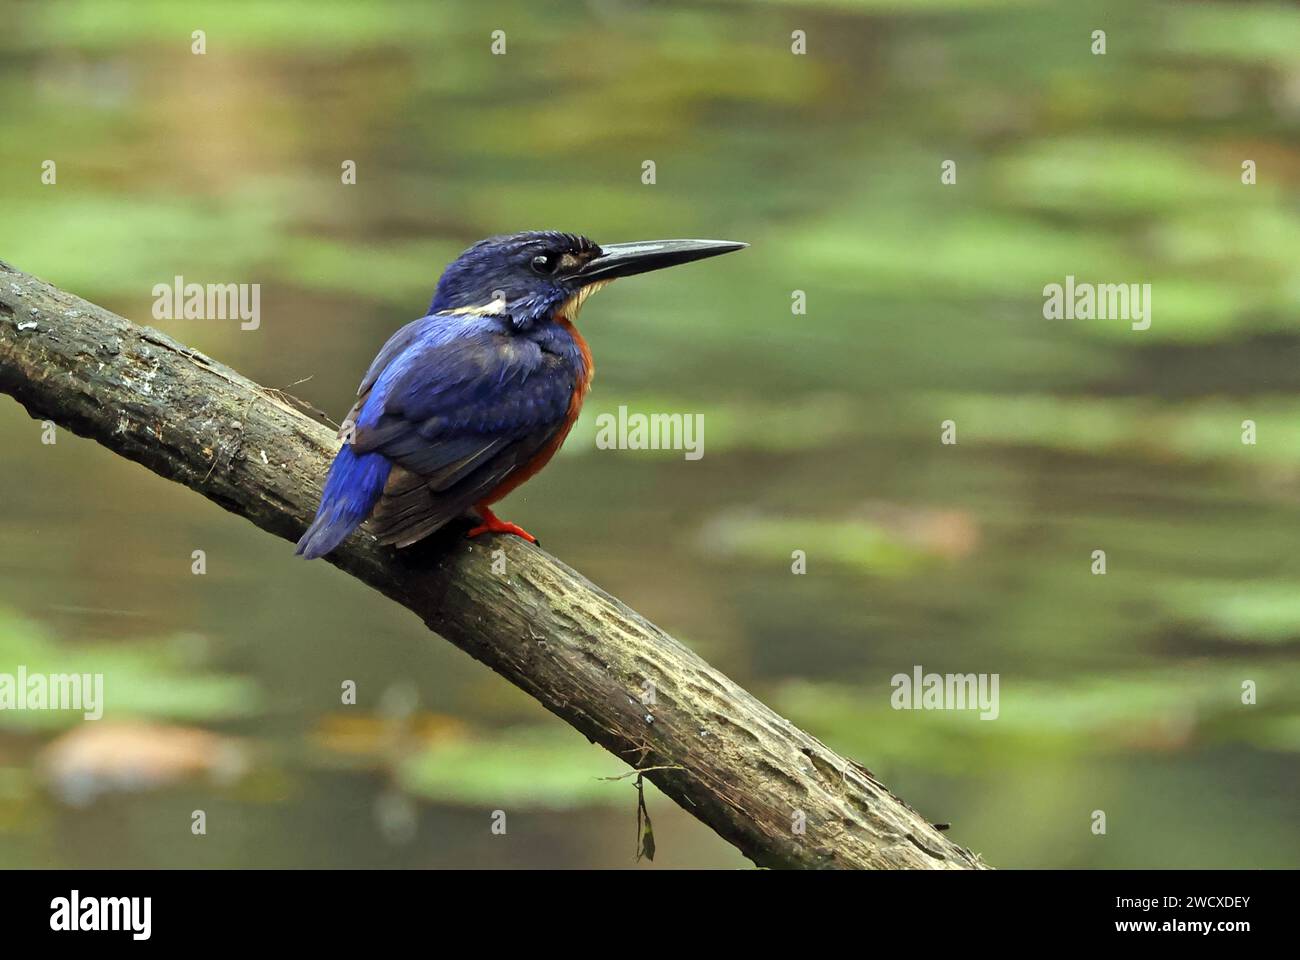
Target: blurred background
column 1119, row 693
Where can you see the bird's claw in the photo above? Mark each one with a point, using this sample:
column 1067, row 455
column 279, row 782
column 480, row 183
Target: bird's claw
column 502, row 526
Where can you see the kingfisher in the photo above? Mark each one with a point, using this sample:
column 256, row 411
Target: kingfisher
column 464, row 404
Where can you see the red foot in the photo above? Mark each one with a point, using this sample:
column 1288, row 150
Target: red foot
column 493, row 524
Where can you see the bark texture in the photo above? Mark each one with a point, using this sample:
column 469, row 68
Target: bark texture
column 721, row 754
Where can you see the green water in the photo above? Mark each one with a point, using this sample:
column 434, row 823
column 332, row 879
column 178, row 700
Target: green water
column 1120, row 693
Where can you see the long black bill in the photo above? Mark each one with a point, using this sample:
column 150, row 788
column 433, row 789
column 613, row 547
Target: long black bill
column 629, row 259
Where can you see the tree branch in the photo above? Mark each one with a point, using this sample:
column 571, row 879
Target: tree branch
column 723, row 756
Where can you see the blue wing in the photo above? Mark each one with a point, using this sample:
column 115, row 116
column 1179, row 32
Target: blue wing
column 450, row 407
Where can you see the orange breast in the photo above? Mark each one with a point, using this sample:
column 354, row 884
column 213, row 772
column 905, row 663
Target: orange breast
column 543, row 457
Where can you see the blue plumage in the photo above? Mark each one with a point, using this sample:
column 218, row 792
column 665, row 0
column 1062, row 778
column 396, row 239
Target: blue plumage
column 352, row 489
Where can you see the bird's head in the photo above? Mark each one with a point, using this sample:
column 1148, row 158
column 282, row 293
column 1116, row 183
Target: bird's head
column 530, row 277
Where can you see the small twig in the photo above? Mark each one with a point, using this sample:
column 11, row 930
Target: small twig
column 624, row 776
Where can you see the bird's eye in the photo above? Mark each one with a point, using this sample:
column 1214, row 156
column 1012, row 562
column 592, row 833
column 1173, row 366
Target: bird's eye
column 545, row 263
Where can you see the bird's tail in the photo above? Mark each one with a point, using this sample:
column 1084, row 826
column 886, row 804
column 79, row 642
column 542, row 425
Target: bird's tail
column 354, row 485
